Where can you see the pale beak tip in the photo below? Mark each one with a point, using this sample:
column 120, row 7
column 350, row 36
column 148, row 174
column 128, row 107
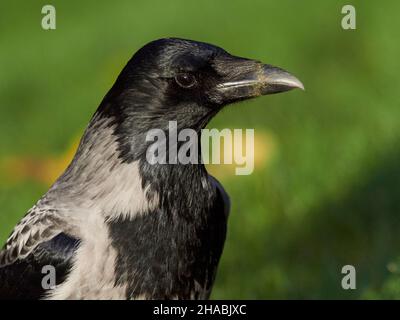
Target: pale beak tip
column 293, row 83
column 301, row 86
column 279, row 80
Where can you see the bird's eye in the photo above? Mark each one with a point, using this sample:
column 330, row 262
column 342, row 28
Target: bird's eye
column 185, row 80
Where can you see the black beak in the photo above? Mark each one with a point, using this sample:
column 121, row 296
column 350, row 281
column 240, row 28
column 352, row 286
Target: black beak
column 256, row 81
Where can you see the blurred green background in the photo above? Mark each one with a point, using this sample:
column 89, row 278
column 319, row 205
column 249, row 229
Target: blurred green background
column 326, row 185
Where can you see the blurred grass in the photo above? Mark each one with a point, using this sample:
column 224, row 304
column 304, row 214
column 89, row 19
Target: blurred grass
column 328, row 195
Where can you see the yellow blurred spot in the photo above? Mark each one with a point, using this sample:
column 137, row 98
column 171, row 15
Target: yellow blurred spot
column 44, row 170
column 261, row 155
column 392, row 267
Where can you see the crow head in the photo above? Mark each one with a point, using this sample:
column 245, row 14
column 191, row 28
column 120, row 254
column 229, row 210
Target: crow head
column 187, row 82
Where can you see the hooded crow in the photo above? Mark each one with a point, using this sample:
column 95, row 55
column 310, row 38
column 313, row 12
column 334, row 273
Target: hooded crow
column 114, row 226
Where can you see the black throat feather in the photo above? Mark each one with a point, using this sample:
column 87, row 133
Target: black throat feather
column 171, row 251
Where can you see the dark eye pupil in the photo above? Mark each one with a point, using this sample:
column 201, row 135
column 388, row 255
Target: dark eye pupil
column 185, row 80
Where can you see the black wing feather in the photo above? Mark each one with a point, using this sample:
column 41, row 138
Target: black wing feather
column 23, row 278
